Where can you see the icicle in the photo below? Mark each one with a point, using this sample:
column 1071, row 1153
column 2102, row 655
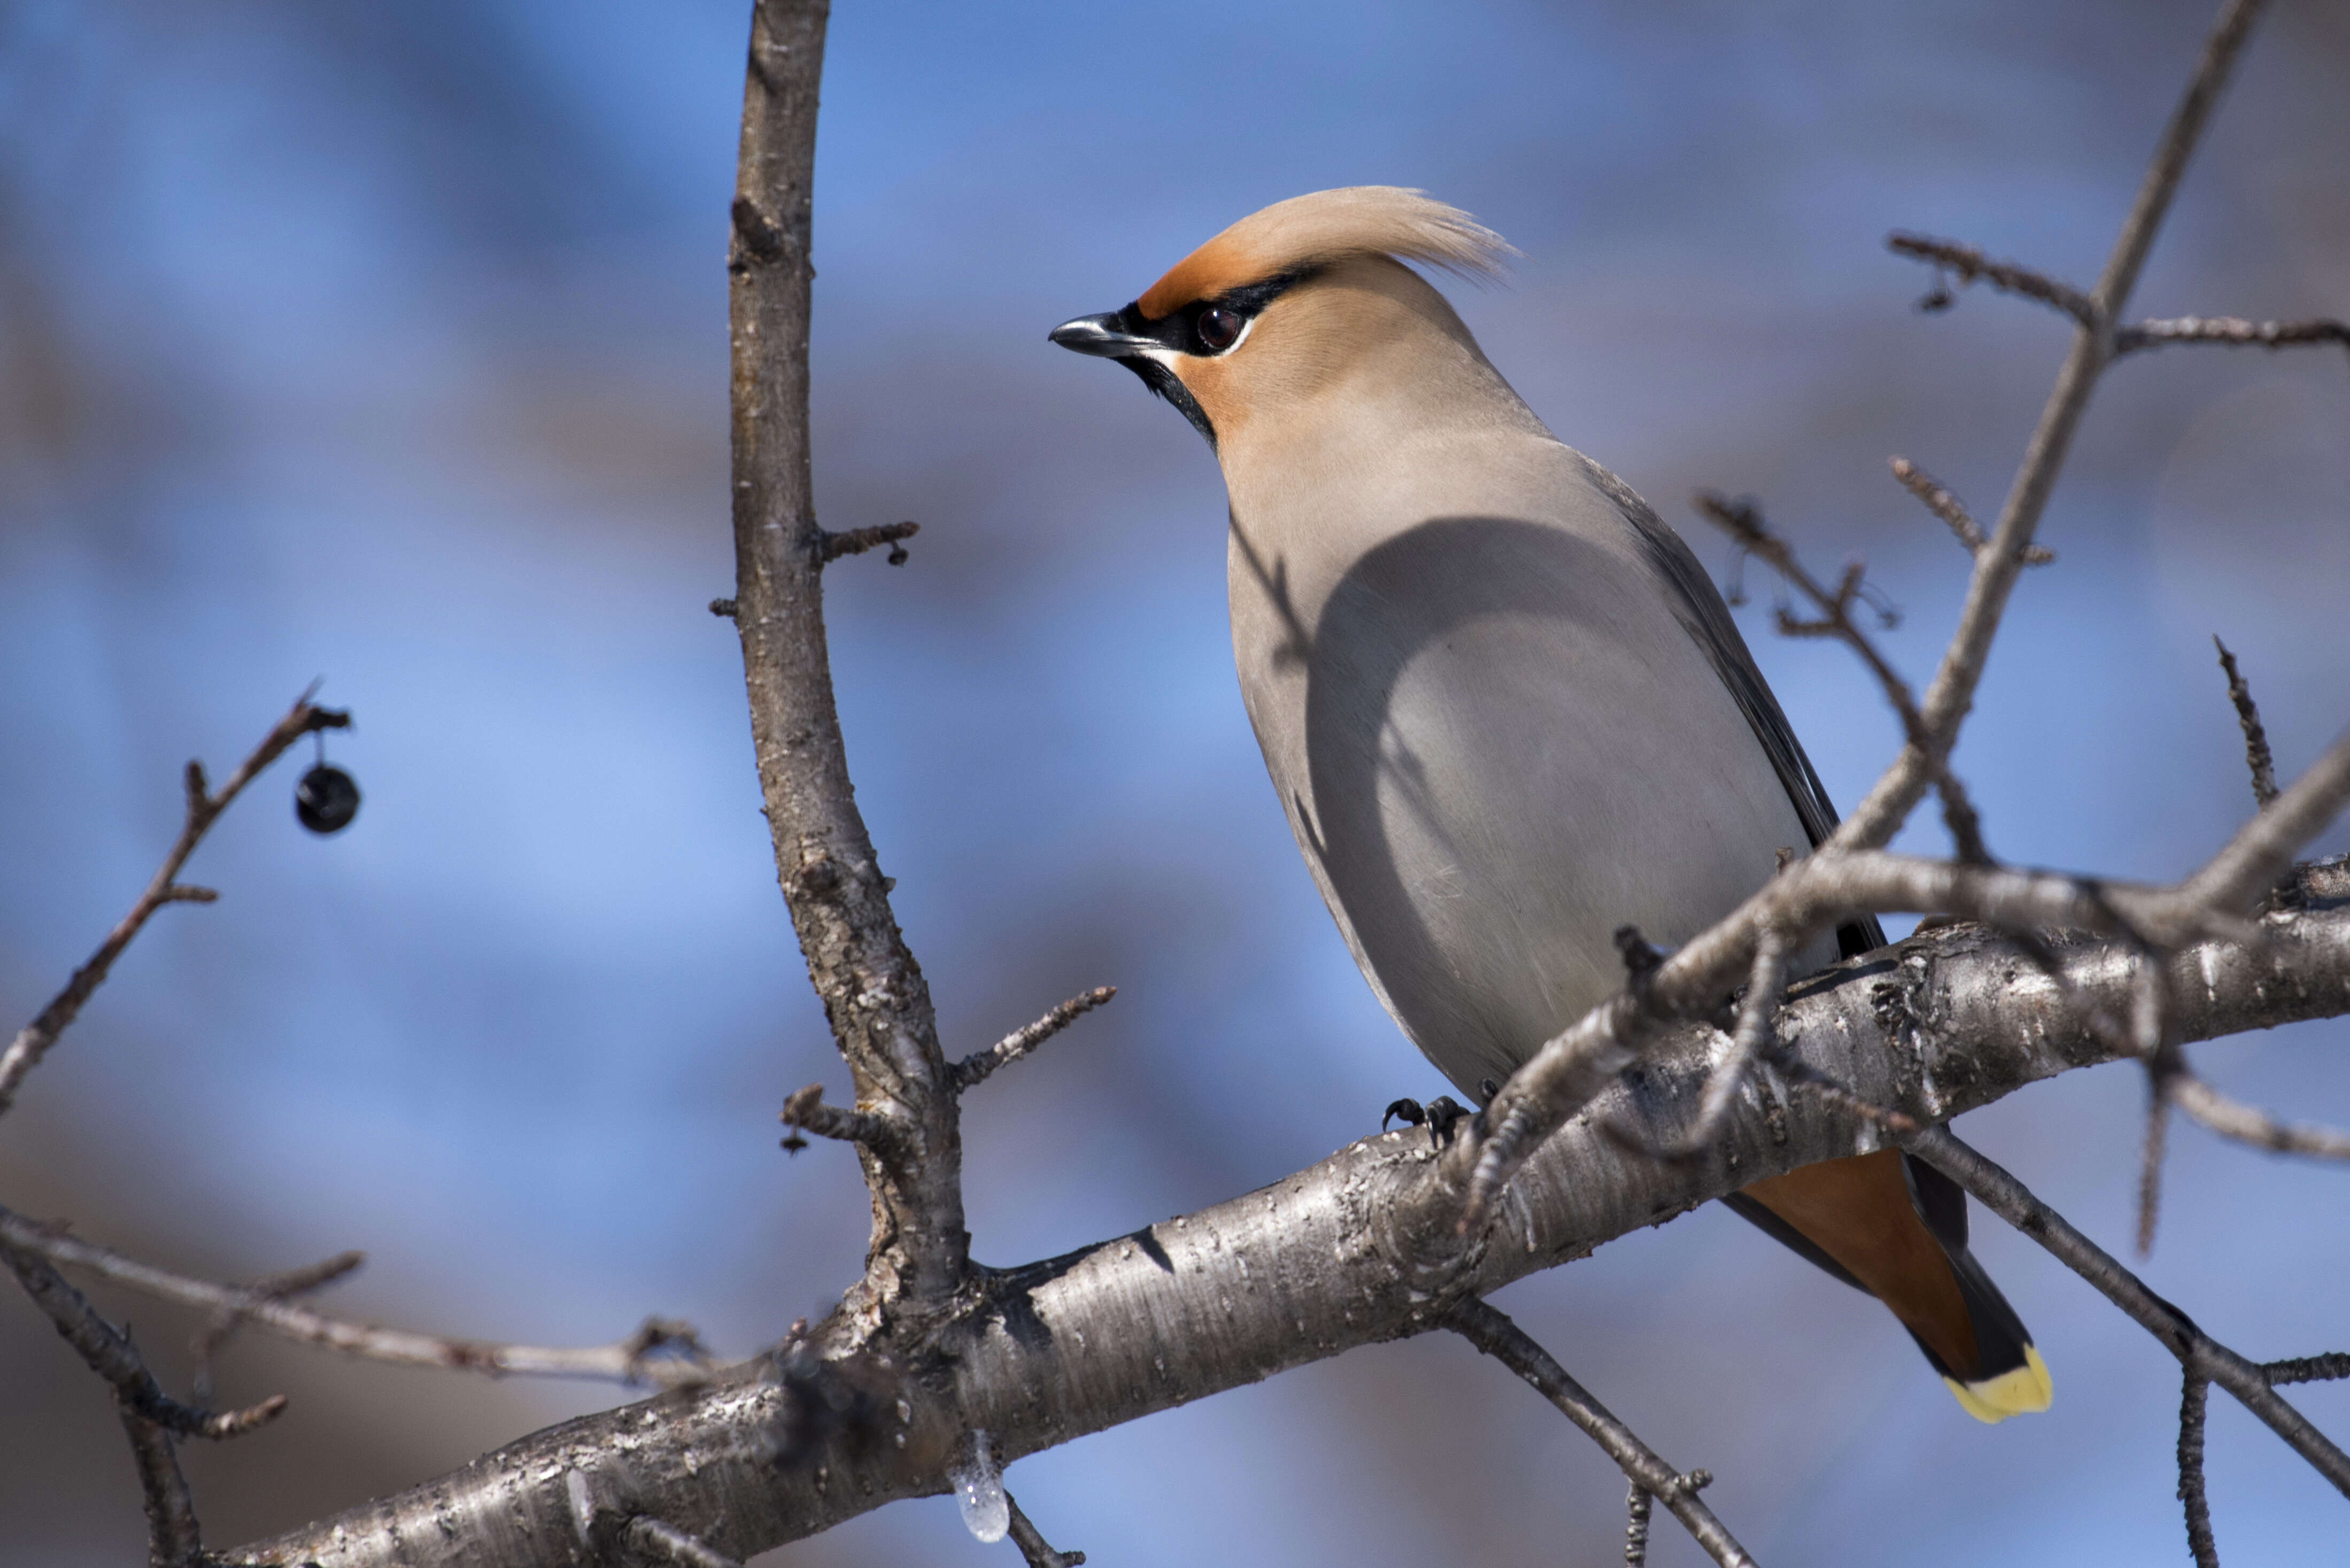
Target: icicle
column 979, row 1491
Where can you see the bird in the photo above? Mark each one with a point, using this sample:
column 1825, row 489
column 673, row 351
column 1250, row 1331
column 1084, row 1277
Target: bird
column 1505, row 708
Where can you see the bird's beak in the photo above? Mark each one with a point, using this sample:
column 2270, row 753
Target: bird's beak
column 1105, row 336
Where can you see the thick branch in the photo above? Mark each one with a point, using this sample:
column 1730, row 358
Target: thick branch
column 872, row 989
column 1356, row 1250
column 204, row 809
column 661, row 1352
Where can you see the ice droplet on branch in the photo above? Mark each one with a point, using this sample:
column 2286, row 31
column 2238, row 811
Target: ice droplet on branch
column 979, row 1490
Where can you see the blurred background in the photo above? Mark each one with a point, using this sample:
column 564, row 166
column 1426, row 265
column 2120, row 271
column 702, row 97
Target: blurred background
column 387, row 344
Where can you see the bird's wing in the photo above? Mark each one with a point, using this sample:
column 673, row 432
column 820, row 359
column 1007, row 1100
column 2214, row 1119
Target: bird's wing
column 1698, row 603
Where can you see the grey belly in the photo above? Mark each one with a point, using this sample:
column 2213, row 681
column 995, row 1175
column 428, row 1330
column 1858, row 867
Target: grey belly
column 1511, row 748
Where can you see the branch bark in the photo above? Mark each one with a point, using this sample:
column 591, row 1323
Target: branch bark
column 1353, row 1251
column 873, row 991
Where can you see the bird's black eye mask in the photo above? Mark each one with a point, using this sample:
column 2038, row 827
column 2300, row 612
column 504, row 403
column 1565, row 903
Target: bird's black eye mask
column 1205, row 329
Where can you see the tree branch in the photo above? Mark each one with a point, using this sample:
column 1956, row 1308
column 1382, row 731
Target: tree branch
column 1831, row 885
column 662, row 1352
column 979, row 1065
column 1034, row 1550
column 1356, row 1250
column 1951, row 693
column 873, row 991
column 1938, row 499
column 1491, row 1331
column 33, row 1041
column 2257, row 755
column 2201, row 1355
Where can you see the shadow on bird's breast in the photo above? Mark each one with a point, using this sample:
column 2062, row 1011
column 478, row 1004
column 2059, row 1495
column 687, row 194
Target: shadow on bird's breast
column 1402, row 720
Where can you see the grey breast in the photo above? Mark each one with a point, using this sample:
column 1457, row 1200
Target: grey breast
column 1502, row 734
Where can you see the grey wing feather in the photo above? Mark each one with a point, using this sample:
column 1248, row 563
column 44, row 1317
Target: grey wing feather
column 1698, row 605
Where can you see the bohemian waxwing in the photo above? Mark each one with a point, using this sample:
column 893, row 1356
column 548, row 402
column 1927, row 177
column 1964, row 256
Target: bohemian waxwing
column 1504, row 708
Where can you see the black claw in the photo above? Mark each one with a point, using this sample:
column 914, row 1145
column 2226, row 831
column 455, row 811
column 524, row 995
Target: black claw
column 1408, row 1112
column 1444, row 1112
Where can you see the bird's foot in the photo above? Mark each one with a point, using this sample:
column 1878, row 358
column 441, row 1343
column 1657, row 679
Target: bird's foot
column 1439, row 1117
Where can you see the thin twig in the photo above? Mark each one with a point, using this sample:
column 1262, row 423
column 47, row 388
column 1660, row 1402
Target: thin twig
column 174, row 1540
column 976, row 1067
column 1969, row 264
column 1747, row 1040
column 662, row 1352
column 805, row 1111
column 1491, row 1331
column 2330, row 1367
column 1742, row 521
column 2197, row 1352
column 2248, row 716
column 2194, row 1405
column 1942, row 503
column 2150, row 1157
column 2231, row 1118
column 33, row 1041
column 110, row 1353
column 1034, row 1550
column 2232, row 330
column 1951, row 694
column 1637, row 1506
column 665, row 1542
column 830, row 547
column 207, row 1344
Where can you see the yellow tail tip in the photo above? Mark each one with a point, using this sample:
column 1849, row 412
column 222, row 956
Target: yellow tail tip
column 2016, row 1393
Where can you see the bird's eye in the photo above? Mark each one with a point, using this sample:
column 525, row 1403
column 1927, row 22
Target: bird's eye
column 1219, row 329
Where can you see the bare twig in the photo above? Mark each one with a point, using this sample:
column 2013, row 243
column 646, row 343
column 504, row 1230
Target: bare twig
column 1491, row 1331
column 1950, row 695
column 1034, row 1550
column 1969, row 264
column 1742, row 521
column 2150, row 1157
column 2197, row 1352
column 291, row 1282
column 2256, row 739
column 2231, row 1118
column 857, row 541
column 1747, row 1040
column 111, row 1354
column 1637, row 1506
column 806, row 1111
column 2233, row 331
column 33, row 1041
column 665, row 1542
column 173, row 1537
column 662, row 1352
column 1943, row 505
column 2194, row 1405
column 2330, row 1367
column 976, row 1067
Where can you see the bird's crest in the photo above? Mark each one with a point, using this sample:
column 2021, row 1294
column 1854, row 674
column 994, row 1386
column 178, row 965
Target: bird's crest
column 1326, row 226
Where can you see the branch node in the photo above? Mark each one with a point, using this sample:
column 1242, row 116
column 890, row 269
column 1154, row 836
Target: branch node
column 722, row 608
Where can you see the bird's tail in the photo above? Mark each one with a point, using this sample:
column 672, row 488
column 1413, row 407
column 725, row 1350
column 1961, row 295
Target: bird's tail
column 2008, row 1377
